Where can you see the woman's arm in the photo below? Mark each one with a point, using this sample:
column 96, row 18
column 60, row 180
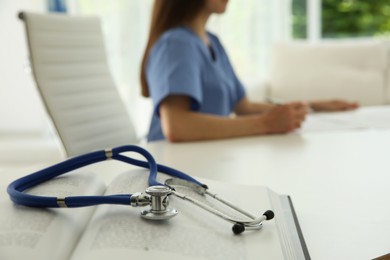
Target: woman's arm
column 245, row 107
column 333, row 105
column 180, row 124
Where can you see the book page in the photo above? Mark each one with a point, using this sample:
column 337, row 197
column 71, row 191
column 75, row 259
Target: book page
column 291, row 237
column 118, row 232
column 38, row 233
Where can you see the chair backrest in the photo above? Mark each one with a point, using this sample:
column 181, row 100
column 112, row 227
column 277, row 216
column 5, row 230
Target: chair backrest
column 71, row 71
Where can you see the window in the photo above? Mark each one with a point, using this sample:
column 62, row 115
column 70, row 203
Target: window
column 340, row 18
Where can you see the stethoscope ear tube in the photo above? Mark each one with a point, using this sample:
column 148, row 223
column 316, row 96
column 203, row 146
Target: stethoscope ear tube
column 239, row 226
column 16, row 188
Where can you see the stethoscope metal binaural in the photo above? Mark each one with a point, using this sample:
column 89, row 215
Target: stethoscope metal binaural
column 156, row 195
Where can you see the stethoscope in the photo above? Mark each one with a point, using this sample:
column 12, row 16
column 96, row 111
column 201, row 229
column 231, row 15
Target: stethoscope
column 156, row 196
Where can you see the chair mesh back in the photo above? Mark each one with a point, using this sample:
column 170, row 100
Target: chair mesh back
column 71, row 72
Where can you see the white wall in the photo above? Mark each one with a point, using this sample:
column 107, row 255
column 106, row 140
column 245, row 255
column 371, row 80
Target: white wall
column 21, row 109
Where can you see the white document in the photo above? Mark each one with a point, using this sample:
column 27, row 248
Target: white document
column 376, row 117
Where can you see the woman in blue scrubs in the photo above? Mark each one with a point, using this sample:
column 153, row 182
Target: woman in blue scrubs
column 195, row 91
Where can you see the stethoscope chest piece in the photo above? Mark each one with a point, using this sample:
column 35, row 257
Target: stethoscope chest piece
column 159, row 202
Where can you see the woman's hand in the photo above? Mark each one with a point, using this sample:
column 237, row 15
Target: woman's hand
column 333, row 105
column 285, row 118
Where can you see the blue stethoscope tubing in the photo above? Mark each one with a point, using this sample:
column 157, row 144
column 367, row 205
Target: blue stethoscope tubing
column 16, row 188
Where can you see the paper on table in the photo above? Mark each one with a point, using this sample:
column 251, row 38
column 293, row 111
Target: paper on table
column 362, row 118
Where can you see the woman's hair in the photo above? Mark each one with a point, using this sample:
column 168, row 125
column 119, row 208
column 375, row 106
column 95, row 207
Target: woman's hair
column 166, row 15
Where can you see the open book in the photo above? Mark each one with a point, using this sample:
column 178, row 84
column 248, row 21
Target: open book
column 118, row 232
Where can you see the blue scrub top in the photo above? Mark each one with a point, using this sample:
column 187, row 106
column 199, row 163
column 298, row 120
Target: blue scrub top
column 181, row 64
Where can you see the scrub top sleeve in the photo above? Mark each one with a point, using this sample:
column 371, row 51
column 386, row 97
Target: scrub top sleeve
column 174, row 69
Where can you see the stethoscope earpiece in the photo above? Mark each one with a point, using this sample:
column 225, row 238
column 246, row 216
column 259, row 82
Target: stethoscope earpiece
column 238, row 227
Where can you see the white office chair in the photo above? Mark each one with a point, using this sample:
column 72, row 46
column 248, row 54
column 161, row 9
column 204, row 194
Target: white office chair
column 71, row 72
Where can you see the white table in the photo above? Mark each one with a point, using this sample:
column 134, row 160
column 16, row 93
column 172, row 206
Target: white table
column 339, row 182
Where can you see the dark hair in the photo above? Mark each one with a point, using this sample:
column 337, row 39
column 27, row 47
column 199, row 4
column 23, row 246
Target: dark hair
column 166, row 15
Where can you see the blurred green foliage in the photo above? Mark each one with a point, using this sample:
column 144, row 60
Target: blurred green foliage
column 346, row 18
column 299, row 19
